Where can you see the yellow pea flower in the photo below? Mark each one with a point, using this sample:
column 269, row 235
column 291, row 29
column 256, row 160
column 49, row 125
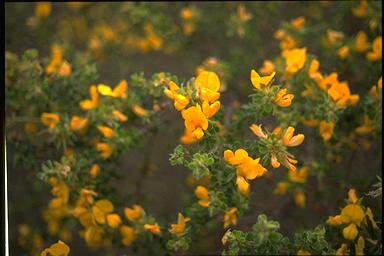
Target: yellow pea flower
column 350, row 232
column 299, row 197
column 359, row 246
column 186, row 13
column 94, row 171
column 361, row 10
column 376, row 52
column 210, row 109
column 235, row 158
column 326, row 129
column 299, row 176
column 283, row 99
column 93, row 235
column 260, row 81
column 179, row 228
column 77, row 123
column 287, row 43
column 139, row 110
column 208, row 85
column 274, row 162
column 113, row 220
column 370, row 217
column 202, row 193
column 361, row 43
column 100, row 210
column 352, row 198
column 298, row 22
column 328, row 81
column 352, row 213
column 188, row 138
column 281, row 188
column 106, row 131
column 268, row 68
column 343, row 52
column 118, row 92
column 154, row 228
column 104, row 149
column 294, row 59
column 57, row 249
column 134, row 213
column 50, row 119
column 258, row 131
column 343, row 250
column 128, row 234
column 303, row 252
column 65, row 69
column 313, row 71
column 120, row 116
column 250, row 168
column 43, row 9
column 334, row 220
column 195, row 121
column 93, row 102
column 180, row 101
column 230, row 217
column 242, row 186
column 341, row 94
column 290, row 140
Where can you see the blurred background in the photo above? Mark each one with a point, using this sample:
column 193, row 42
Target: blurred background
column 230, row 38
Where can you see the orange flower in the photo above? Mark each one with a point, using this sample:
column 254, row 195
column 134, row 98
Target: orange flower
column 284, row 99
column 203, row 194
column 290, row 140
column 93, row 102
column 77, row 123
column 50, row 119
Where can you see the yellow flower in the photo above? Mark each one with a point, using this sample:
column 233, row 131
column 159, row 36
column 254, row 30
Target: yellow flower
column 30, row 128
column 370, row 217
column 250, row 168
column 313, row 71
column 133, row 213
column 56, row 58
column 43, row 9
column 352, row 213
column 235, row 158
column 77, row 123
column 113, row 220
column 105, row 150
column 242, row 186
column 242, row 13
column 94, row 171
column 359, row 246
column 120, row 116
column 181, row 101
column 281, row 188
column 299, row 176
column 139, row 110
column 343, row 52
column 334, row 220
column 341, row 94
column 195, row 121
column 93, row 235
column 56, row 249
column 288, row 162
column 118, row 92
column 283, row 99
column 50, row 119
column 258, row 131
column 230, row 217
column 188, row 138
column 93, row 102
column 328, row 81
column 326, row 129
column 274, row 162
column 361, row 43
column 106, row 131
column 186, row 13
column 350, row 232
column 298, row 22
column 154, row 228
column 342, row 251
column 334, row 36
column 203, row 194
column 65, row 69
column 303, row 252
column 287, row 43
column 258, row 81
column 268, row 68
column 100, row 210
column 179, row 228
column 294, row 59
column 299, row 197
column 352, row 198
column 376, row 90
column 376, row 52
column 361, row 10
column 210, row 110
column 128, row 235
column 208, row 85
column 290, row 140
